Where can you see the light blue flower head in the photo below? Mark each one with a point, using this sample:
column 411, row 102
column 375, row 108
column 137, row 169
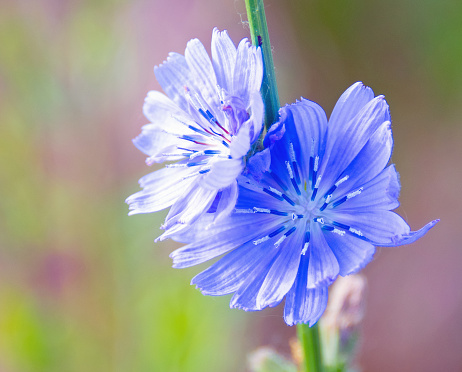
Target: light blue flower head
column 317, row 212
column 212, row 114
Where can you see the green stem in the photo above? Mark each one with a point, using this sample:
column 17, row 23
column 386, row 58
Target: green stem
column 260, row 38
column 311, row 346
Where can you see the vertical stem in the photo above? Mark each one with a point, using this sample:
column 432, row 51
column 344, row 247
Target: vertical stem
column 260, row 38
column 311, row 346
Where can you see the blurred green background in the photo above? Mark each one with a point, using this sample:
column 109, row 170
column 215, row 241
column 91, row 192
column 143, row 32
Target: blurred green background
column 84, row 288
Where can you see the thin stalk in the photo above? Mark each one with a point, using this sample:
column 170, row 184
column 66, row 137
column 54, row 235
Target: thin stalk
column 311, row 346
column 260, row 38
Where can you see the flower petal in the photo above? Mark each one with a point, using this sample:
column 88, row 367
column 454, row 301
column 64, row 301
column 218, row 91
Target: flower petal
column 173, row 75
column 304, row 305
column 282, row 273
column 202, row 72
column 256, row 116
column 380, row 227
column 194, row 202
column 380, row 192
column 227, row 202
column 371, row 160
column 234, row 270
column 323, row 267
column 351, row 252
column 223, row 58
column 222, row 174
column 409, row 237
column 161, row 189
column 213, row 242
column 248, row 72
column 345, row 144
column 349, row 104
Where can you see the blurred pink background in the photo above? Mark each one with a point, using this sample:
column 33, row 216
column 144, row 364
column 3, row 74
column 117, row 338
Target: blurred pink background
column 83, row 287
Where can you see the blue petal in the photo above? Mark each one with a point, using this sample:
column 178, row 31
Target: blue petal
column 158, row 108
column 309, row 122
column 344, row 145
column 258, row 164
column 304, row 305
column 222, row 174
column 245, row 297
column 380, row 227
column 248, row 72
column 281, row 276
column 173, row 75
column 351, row 252
column 323, row 267
column 256, row 116
column 227, row 201
column 202, row 72
column 194, row 202
column 380, row 192
column 161, row 189
column 371, row 160
column 214, row 240
column 235, row 270
column 223, row 58
column 305, row 126
column 349, row 104
column 409, row 237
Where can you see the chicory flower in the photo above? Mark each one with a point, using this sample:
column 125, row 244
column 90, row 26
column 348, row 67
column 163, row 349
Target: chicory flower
column 316, row 212
column 204, row 126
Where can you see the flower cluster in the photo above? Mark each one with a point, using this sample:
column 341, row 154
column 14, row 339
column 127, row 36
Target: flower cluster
column 312, row 205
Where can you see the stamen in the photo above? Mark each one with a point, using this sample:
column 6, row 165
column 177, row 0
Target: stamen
column 172, row 154
column 288, row 200
column 355, row 231
column 343, row 226
column 291, row 230
column 316, row 163
column 273, row 194
column 280, row 240
column 289, row 169
column 275, row 232
column 278, row 213
column 194, row 164
column 291, row 152
column 319, row 219
column 315, row 190
column 243, row 211
column 342, row 180
column 261, row 210
column 192, row 139
column 261, row 240
column 202, row 171
column 324, row 206
column 339, row 232
column 294, row 162
column 355, row 193
column 338, row 202
column 291, row 175
column 307, row 242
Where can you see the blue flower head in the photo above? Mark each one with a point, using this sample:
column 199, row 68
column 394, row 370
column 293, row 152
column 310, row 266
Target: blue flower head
column 316, row 212
column 204, row 127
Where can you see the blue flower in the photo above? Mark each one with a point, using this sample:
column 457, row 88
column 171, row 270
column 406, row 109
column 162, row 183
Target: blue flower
column 318, row 212
column 212, row 114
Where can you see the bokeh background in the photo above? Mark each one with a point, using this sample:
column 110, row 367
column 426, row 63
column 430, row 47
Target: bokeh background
column 84, row 288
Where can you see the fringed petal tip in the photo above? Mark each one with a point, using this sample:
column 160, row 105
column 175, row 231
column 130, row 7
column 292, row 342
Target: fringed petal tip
column 410, row 237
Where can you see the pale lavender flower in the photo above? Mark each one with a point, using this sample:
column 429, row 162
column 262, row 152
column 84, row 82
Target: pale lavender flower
column 204, row 126
column 317, row 212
